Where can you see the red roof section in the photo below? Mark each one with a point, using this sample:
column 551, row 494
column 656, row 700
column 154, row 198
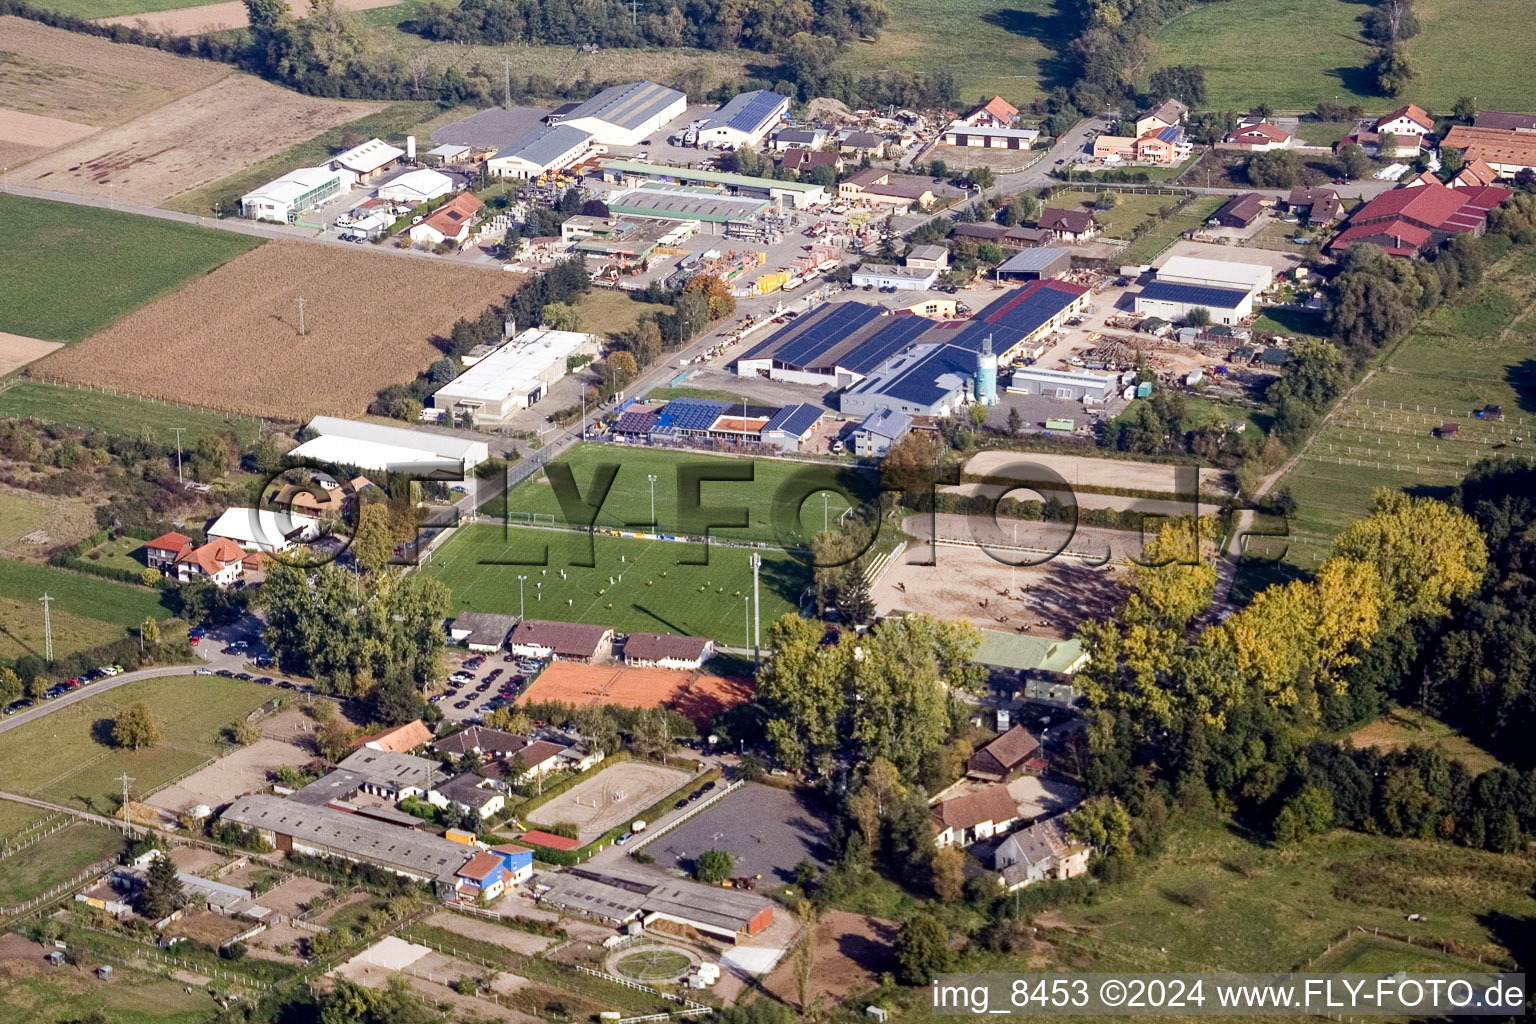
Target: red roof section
column 1272, row 132
column 480, row 866
column 549, row 840
column 1417, row 114
column 1028, row 291
column 169, row 542
column 998, row 108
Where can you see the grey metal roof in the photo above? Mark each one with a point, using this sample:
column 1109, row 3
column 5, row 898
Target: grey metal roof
column 1036, row 261
column 628, row 106
column 338, row 785
column 350, row 835
column 546, row 145
column 748, row 111
column 721, row 908
column 385, row 768
column 484, row 627
column 685, row 205
column 887, row 423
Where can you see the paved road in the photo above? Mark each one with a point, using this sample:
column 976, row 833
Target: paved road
column 75, row 696
column 241, row 226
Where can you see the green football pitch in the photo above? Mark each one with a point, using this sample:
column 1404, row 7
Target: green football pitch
column 805, row 496
column 634, row 584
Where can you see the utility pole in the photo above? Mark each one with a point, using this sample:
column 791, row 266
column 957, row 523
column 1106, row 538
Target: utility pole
column 506, row 81
column 652, row 478
column 521, row 607
column 125, row 780
column 634, row 11
column 47, row 629
column 757, row 607
column 302, row 331
column 178, row 432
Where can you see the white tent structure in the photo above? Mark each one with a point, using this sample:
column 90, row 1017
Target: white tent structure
column 264, row 530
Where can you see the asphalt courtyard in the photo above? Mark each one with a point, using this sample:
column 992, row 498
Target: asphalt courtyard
column 769, row 830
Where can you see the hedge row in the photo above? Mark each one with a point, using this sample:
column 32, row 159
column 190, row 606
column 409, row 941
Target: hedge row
column 73, row 557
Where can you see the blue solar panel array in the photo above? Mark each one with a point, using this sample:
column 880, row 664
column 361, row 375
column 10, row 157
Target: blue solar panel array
column 1030, row 313
column 827, row 332
column 920, row 383
column 884, row 343
column 691, row 413
column 793, row 419
column 1171, row 291
column 751, row 112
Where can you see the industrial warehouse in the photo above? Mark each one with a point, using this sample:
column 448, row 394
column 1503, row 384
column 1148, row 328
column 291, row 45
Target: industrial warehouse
column 623, row 115
column 515, row 375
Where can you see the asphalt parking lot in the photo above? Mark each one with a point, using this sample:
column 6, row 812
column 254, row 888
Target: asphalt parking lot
column 490, row 679
column 769, row 830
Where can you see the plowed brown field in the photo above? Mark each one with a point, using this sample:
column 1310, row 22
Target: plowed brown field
column 199, row 138
column 135, row 63
column 217, row 17
column 230, row 340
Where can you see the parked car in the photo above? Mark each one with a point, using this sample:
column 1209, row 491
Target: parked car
column 202, row 672
column 624, row 839
column 461, row 704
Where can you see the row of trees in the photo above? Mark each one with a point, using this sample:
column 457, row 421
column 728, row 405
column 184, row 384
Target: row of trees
column 703, row 24
column 1237, row 708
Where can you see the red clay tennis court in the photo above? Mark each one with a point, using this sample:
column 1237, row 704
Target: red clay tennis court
column 697, row 696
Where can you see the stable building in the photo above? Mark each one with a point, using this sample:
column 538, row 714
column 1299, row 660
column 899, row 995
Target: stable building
column 548, row 149
column 515, row 376
column 989, row 136
column 623, row 115
column 724, row 914
column 291, row 827
column 745, row 120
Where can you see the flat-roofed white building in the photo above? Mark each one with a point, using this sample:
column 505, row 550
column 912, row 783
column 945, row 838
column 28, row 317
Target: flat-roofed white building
column 263, row 529
column 369, row 160
column 283, row 199
column 1250, row 277
column 622, row 115
column 514, row 376
column 547, row 149
column 379, row 447
column 745, row 120
column 973, row 136
column 416, row 187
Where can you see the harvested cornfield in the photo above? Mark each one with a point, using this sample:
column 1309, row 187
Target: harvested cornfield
column 189, row 142
column 230, row 340
column 217, row 17
column 104, row 57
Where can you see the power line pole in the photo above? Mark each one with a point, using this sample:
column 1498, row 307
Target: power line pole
column 757, row 608
column 302, row 331
column 178, row 431
column 47, row 629
column 125, row 780
column 506, row 81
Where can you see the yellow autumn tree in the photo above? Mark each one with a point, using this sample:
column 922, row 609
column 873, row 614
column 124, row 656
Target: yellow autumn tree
column 1426, row 553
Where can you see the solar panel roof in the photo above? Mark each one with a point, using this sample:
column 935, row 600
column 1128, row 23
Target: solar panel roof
column 826, row 332
column 691, row 413
column 1031, row 307
column 793, row 419
column 747, row 111
column 1219, row 298
column 889, row 339
column 924, row 383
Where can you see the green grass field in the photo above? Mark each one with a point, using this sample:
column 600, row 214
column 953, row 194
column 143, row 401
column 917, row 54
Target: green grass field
column 1403, row 727
column 56, row 859
column 1249, row 52
column 15, row 817
column 657, row 591
column 628, row 504
column 72, row 270
column 1365, row 954
column 20, row 514
column 1215, row 901
column 119, row 553
column 67, row 758
column 1117, row 222
column 1151, row 245
column 119, row 415
column 38, row 995
column 990, row 48
column 86, row 610
column 1479, row 351
column 113, row 8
